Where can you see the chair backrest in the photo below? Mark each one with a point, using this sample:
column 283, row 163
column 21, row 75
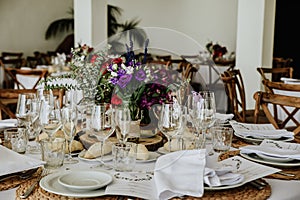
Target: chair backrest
column 272, row 86
column 235, row 90
column 37, row 74
column 9, row 99
column 263, row 99
column 13, row 59
column 274, row 74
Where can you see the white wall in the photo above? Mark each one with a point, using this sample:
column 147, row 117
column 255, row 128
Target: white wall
column 203, row 20
column 23, row 24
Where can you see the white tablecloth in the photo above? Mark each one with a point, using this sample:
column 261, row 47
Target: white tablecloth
column 281, row 190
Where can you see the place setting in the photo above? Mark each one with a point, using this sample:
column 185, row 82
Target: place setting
column 256, row 133
column 275, row 153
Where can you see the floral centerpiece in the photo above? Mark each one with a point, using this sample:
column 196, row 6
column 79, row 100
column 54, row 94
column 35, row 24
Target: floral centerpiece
column 122, row 80
column 216, row 50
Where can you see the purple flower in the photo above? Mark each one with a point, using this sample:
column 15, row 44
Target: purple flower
column 114, row 80
column 124, row 80
column 140, row 75
column 121, row 72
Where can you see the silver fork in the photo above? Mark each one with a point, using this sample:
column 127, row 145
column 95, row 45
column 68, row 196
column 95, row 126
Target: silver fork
column 30, row 189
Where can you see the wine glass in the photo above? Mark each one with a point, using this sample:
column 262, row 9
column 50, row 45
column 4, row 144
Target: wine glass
column 102, row 125
column 34, row 128
column 170, row 121
column 50, row 117
column 26, row 113
column 122, row 121
column 23, row 108
column 69, row 124
column 202, row 110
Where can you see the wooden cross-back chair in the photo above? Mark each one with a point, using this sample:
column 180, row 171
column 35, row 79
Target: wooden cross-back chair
column 9, row 100
column 13, row 59
column 235, row 90
column 274, row 74
column 263, row 99
column 12, row 74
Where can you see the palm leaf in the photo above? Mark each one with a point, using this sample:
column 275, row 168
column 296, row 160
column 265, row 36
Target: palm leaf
column 59, row 26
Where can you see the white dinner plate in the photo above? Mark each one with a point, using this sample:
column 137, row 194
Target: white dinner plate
column 50, row 184
column 255, row 158
column 224, row 187
column 259, row 140
column 84, row 180
column 152, row 157
column 274, row 158
column 106, row 158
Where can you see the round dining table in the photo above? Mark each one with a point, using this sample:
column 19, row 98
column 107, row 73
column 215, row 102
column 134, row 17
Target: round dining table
column 280, row 189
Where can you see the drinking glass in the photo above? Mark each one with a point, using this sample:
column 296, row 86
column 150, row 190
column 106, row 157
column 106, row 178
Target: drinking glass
column 34, row 128
column 122, row 121
column 50, row 117
column 23, row 108
column 202, row 111
column 102, row 125
column 170, row 121
column 27, row 114
column 69, row 124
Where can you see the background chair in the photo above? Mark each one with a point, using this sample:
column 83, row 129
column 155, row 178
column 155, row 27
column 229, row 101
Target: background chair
column 8, row 101
column 263, row 99
column 34, row 76
column 13, row 59
column 235, row 90
column 274, row 74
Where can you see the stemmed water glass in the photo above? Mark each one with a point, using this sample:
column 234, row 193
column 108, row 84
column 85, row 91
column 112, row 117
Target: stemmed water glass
column 102, row 125
column 202, row 114
column 122, row 120
column 50, row 117
column 170, row 121
column 69, row 124
column 27, row 114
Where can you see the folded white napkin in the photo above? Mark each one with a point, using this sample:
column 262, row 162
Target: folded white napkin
column 290, row 80
column 267, row 134
column 180, row 173
column 12, row 162
column 222, row 118
column 275, row 149
column 6, row 123
column 221, row 177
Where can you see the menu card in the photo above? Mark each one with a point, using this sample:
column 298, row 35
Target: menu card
column 249, row 169
column 136, row 184
column 260, row 131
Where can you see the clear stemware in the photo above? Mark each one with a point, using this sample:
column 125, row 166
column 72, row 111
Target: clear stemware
column 69, row 125
column 102, row 125
column 170, row 121
column 50, row 117
column 202, row 112
column 122, row 121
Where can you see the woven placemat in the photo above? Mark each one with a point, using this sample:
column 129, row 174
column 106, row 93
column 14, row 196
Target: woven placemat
column 16, row 181
column 245, row 192
column 292, row 170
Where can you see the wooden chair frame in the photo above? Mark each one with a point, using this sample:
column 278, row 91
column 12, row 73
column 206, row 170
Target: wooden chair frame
column 275, row 72
column 264, row 98
column 12, row 74
column 235, row 90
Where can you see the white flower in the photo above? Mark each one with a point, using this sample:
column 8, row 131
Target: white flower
column 114, row 74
